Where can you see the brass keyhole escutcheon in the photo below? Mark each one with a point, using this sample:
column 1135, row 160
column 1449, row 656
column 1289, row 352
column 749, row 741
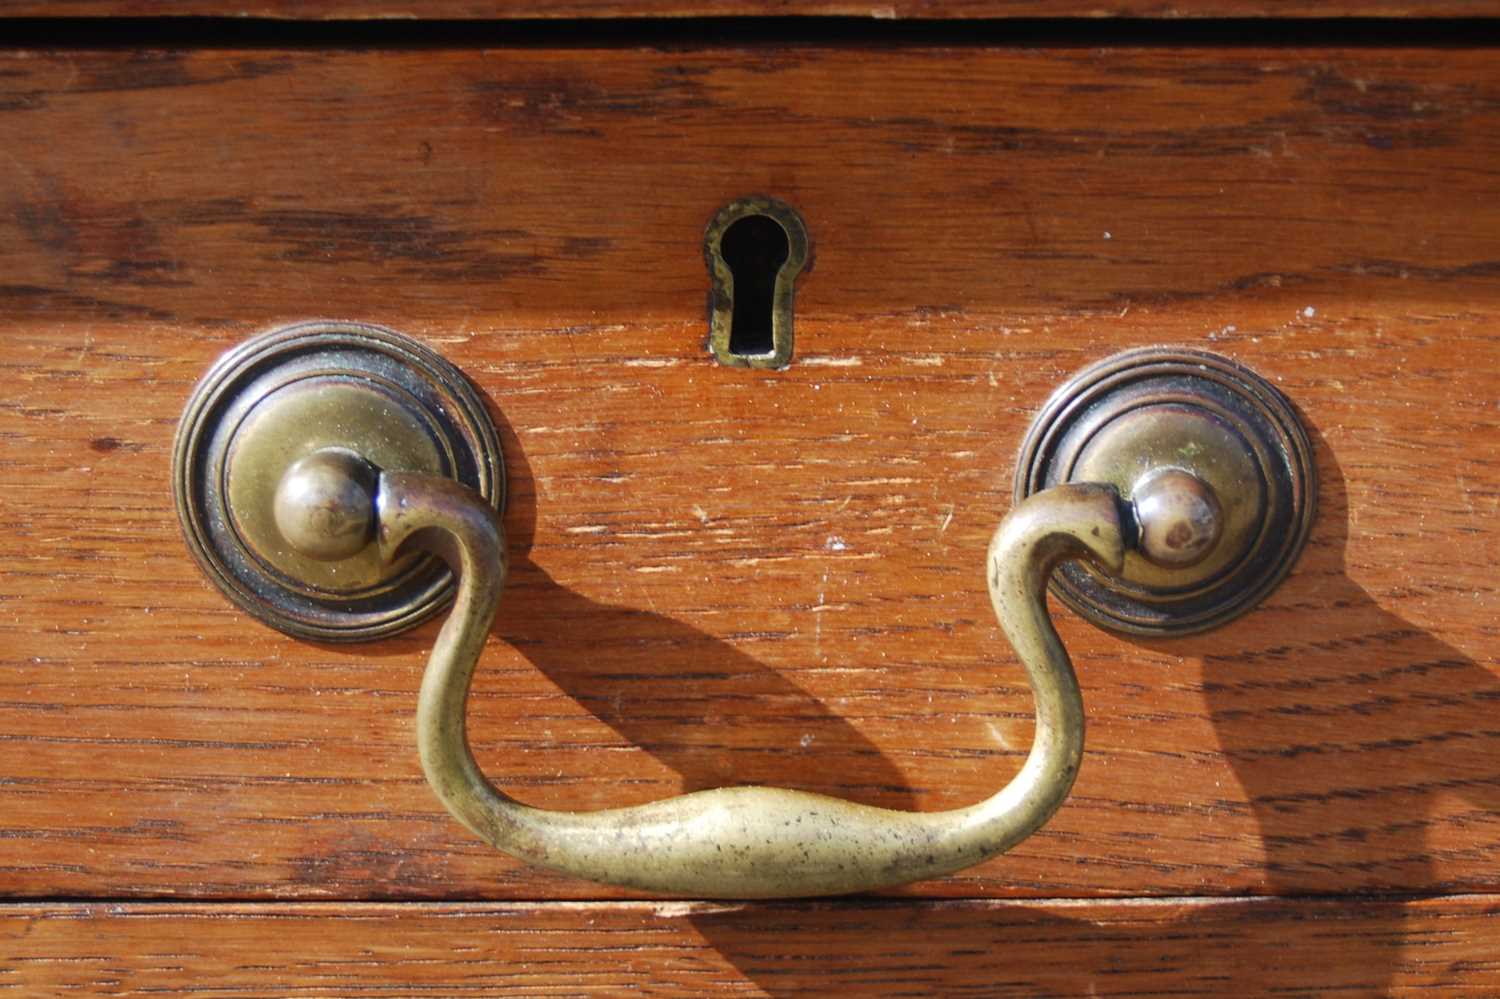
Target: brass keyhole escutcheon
column 754, row 248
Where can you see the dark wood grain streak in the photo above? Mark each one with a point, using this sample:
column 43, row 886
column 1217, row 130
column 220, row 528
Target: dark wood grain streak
column 408, row 9
column 723, row 576
column 1038, row 949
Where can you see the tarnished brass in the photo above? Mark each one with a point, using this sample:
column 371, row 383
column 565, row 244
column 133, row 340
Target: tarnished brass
column 1179, row 520
column 325, row 505
column 302, row 417
column 721, row 282
column 287, row 394
column 1173, row 498
column 753, row 842
column 1143, row 414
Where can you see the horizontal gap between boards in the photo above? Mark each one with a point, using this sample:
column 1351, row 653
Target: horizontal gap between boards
column 687, row 906
column 735, row 32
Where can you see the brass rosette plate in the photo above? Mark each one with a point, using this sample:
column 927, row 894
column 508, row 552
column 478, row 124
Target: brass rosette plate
column 1134, row 414
column 288, row 393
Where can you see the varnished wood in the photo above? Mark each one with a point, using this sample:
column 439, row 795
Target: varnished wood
column 358, row 9
column 725, row 576
column 1059, row 948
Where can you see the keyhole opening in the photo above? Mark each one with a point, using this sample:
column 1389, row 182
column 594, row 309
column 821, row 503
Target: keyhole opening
column 754, row 248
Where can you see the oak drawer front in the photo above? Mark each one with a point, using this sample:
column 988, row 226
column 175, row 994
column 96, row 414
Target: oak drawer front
column 1023, row 949
column 726, row 576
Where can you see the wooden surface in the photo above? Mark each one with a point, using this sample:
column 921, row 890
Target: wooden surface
column 724, row 576
column 1180, row 947
column 729, row 576
column 549, row 9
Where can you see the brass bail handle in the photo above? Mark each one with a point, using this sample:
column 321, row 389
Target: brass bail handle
column 737, row 842
column 1165, row 524
column 745, row 842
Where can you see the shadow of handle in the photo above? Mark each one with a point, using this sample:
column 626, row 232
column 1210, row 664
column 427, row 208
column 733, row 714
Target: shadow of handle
column 753, row 842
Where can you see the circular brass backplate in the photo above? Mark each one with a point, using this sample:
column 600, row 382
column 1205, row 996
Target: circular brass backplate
column 285, row 394
column 1141, row 411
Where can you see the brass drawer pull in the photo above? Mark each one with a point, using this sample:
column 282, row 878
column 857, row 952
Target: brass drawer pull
column 752, row 842
column 329, row 504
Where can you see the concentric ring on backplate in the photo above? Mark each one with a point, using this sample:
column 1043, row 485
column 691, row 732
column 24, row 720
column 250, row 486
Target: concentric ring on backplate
column 1215, row 388
column 421, row 399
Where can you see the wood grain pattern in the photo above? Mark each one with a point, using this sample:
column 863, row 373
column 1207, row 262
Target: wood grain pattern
column 407, row 9
column 725, row 576
column 1036, row 949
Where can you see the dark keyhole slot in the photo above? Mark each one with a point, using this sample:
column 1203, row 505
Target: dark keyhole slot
column 755, row 247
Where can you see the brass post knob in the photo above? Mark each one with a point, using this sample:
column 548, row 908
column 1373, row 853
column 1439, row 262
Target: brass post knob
column 325, row 504
column 1178, row 518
